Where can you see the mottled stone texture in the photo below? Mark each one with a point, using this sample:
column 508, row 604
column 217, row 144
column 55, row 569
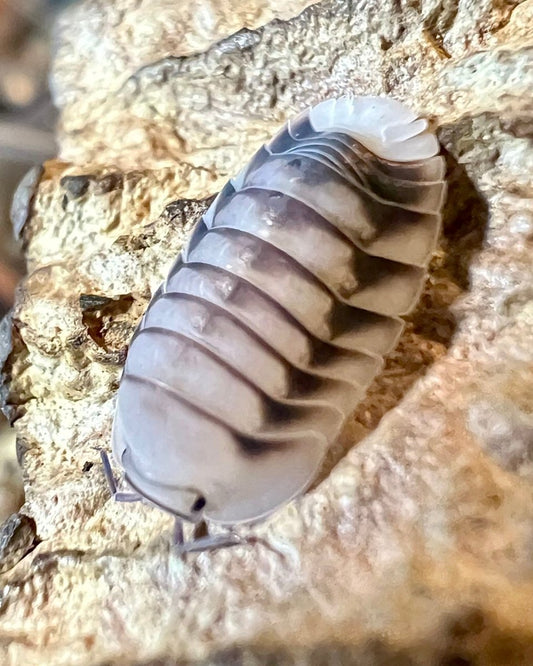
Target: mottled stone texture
column 101, row 43
column 416, row 545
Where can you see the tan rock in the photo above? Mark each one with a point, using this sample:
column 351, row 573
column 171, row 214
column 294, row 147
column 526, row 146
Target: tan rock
column 416, row 545
column 11, row 492
column 100, row 44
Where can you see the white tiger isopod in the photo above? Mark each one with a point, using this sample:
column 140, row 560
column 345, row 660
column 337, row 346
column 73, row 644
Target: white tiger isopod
column 275, row 318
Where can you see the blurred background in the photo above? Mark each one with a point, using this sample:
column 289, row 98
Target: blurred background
column 27, row 120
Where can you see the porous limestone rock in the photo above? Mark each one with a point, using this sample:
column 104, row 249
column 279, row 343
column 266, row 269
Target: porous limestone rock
column 415, row 546
column 120, row 37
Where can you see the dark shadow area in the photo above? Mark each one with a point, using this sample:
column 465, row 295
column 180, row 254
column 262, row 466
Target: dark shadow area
column 105, row 320
column 430, row 327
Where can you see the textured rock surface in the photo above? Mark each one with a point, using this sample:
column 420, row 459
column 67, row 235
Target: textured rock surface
column 11, row 491
column 416, row 545
column 100, row 44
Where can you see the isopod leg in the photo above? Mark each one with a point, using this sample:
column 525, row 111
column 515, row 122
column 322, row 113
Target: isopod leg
column 127, row 497
column 111, row 482
column 209, row 543
column 204, row 543
column 178, row 538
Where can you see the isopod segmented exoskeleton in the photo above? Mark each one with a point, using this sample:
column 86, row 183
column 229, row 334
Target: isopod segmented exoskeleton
column 276, row 316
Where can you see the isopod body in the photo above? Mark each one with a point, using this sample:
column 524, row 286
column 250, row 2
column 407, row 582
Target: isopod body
column 276, row 316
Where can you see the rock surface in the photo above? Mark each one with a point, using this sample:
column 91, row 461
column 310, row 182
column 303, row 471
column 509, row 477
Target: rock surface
column 416, row 544
column 100, row 44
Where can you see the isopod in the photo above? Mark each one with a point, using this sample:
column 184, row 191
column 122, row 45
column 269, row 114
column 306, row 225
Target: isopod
column 277, row 314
